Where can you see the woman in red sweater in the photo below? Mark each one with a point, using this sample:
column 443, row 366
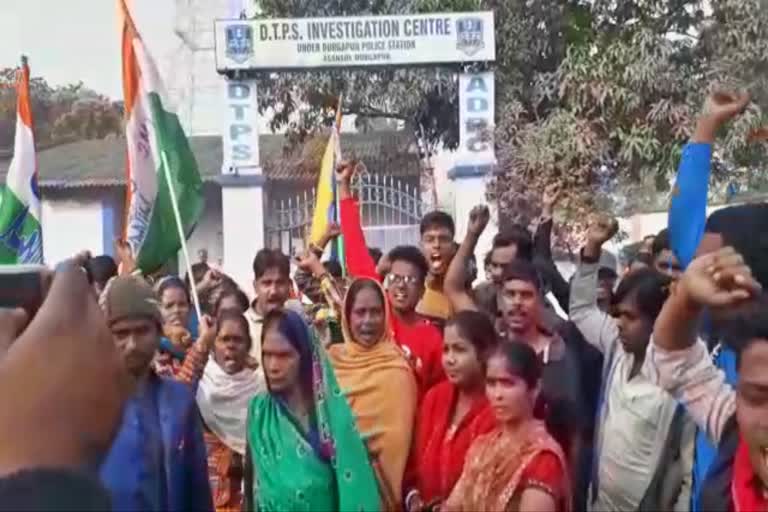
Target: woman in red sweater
column 454, row 413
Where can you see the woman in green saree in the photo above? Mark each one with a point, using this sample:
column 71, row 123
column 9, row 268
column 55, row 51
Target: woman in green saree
column 304, row 451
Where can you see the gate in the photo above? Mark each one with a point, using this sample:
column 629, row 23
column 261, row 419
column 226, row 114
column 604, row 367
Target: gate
column 390, row 211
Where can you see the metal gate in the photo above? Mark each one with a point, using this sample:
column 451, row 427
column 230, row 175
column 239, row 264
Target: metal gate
column 390, row 211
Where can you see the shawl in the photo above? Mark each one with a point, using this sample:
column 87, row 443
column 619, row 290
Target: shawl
column 747, row 494
column 440, row 450
column 382, row 391
column 495, row 465
column 291, row 472
column 223, row 402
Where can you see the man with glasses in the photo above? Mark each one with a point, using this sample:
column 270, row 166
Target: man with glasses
column 405, row 283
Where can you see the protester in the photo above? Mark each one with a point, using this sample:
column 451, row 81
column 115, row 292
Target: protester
column 734, row 420
column 437, row 232
column 272, row 284
column 664, row 260
column 454, row 413
column 58, row 430
column 405, row 284
column 518, row 466
column 606, row 282
column 158, row 459
column 645, row 441
column 692, row 233
column 223, row 394
column 304, row 452
column 102, row 269
column 379, row 384
column 231, row 299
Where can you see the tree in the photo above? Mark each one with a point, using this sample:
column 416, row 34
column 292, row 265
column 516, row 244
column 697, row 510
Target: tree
column 62, row 114
column 598, row 95
column 610, row 121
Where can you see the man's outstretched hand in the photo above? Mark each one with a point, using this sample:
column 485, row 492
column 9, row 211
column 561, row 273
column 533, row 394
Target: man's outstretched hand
column 62, row 381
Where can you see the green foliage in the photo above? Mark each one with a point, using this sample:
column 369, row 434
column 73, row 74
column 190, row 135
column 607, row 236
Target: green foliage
column 598, row 95
column 61, row 114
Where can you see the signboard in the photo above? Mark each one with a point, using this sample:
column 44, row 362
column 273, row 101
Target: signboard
column 301, row 43
column 476, row 117
column 240, row 137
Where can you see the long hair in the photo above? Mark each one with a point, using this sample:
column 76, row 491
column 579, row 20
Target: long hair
column 478, row 329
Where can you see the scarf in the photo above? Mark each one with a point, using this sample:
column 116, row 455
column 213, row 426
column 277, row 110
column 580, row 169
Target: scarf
column 223, row 401
column 747, row 497
column 494, row 468
column 290, row 473
column 382, row 391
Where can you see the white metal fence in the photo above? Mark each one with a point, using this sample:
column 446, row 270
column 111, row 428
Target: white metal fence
column 390, row 211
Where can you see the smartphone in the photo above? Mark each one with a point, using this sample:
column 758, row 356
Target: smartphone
column 21, row 286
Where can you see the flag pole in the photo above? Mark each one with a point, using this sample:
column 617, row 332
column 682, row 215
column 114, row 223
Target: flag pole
column 340, row 238
column 182, row 236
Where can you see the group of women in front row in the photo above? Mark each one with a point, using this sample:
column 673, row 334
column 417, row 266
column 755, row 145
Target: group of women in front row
column 343, row 427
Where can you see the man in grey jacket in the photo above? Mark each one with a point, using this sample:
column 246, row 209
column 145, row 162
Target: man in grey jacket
column 644, row 445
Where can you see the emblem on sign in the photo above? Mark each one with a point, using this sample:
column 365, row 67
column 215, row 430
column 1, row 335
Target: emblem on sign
column 469, row 35
column 239, row 39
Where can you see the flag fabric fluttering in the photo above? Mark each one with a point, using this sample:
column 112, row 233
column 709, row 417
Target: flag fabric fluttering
column 327, row 197
column 20, row 225
column 157, row 148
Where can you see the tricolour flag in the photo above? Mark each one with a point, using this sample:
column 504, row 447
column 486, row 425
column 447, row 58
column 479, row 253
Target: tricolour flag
column 155, row 139
column 20, row 230
column 326, row 199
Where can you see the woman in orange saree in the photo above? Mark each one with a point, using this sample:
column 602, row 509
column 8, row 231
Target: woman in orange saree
column 518, row 466
column 379, row 383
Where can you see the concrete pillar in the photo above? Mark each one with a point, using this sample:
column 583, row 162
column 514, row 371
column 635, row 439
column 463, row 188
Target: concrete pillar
column 469, row 184
column 242, row 216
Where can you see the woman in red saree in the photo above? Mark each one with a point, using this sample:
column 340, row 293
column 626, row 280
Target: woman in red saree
column 518, row 466
column 453, row 413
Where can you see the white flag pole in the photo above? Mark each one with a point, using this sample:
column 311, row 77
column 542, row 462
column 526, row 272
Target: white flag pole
column 182, row 236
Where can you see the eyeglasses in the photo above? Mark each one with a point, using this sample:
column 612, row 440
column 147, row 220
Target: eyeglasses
column 398, row 279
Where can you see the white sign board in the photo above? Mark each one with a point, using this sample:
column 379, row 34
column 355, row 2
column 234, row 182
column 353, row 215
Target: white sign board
column 476, row 118
column 298, row 43
column 240, row 136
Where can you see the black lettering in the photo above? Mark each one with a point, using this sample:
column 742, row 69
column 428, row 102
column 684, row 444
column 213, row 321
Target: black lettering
column 407, row 28
column 239, row 111
column 476, row 83
column 477, row 144
column 237, row 130
column 239, row 91
column 263, row 32
column 476, row 124
column 295, row 31
column 447, row 22
column 477, row 105
column 275, row 31
column 241, row 152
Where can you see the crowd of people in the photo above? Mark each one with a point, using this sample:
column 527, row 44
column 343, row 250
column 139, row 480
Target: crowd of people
column 394, row 383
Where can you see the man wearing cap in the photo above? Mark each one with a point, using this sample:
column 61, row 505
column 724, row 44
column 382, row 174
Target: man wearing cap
column 158, row 459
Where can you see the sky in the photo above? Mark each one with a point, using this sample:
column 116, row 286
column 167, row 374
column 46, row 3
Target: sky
column 72, row 40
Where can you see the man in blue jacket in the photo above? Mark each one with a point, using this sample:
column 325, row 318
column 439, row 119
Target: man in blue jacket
column 743, row 227
column 157, row 461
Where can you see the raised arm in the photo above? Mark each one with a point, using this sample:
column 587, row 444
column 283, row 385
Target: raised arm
column 456, row 277
column 358, row 259
column 192, row 368
column 598, row 328
column 542, row 248
column 680, row 363
column 688, row 209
